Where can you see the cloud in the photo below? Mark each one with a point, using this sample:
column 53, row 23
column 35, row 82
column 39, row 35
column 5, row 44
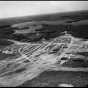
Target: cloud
column 24, row 8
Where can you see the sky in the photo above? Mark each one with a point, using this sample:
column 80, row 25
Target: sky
column 27, row 8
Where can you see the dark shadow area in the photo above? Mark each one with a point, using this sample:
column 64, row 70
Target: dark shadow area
column 54, row 78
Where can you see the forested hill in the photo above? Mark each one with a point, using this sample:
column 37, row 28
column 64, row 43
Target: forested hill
column 52, row 25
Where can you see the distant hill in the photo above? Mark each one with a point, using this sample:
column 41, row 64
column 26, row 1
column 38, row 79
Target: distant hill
column 76, row 15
